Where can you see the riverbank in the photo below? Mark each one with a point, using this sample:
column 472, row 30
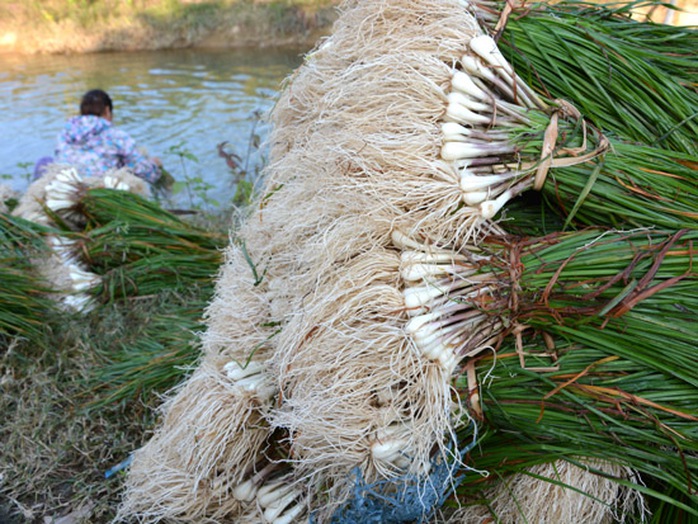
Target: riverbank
column 83, row 26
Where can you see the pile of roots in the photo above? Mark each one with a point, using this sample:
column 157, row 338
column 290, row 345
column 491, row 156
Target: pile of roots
column 344, row 368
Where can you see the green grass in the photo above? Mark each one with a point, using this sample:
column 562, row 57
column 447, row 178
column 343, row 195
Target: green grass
column 23, row 300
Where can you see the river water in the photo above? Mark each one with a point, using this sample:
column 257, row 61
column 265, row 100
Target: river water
column 178, row 104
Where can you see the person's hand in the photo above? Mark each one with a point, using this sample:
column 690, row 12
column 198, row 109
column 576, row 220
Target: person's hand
column 165, row 182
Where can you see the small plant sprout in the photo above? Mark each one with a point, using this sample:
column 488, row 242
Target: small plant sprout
column 280, row 500
column 474, row 183
column 81, row 281
column 80, row 302
column 245, row 491
column 486, row 48
column 250, row 380
column 490, row 208
column 459, row 112
column 236, row 371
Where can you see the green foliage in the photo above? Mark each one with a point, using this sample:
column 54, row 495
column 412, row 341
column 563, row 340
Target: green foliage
column 156, row 348
column 142, row 250
column 25, row 169
column 175, row 13
column 244, row 173
column 195, row 187
column 607, row 301
column 636, row 82
column 632, row 79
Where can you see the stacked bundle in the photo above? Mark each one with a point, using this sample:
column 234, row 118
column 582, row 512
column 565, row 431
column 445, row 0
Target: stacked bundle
column 130, row 247
column 110, row 242
column 360, row 353
column 566, row 383
column 99, row 242
column 55, row 200
column 140, row 251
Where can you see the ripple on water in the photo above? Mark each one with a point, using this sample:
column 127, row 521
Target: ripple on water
column 191, row 99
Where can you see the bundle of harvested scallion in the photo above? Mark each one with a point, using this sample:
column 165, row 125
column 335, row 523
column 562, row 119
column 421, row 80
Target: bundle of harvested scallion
column 139, row 248
column 380, row 279
column 635, row 80
column 596, row 276
column 636, row 405
column 522, row 142
column 105, row 243
column 159, row 350
column 612, row 282
column 595, row 405
column 575, row 320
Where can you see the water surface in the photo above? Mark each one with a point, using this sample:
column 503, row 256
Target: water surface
column 186, row 100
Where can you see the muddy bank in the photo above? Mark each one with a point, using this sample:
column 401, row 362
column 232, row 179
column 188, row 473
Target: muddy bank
column 239, row 25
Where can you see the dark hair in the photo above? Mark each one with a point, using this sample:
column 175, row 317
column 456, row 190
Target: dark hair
column 94, row 102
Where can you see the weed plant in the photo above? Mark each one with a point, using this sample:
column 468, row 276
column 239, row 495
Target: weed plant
column 244, row 170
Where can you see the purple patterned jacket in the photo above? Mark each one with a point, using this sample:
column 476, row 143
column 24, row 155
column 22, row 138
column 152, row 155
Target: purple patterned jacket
column 93, row 145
